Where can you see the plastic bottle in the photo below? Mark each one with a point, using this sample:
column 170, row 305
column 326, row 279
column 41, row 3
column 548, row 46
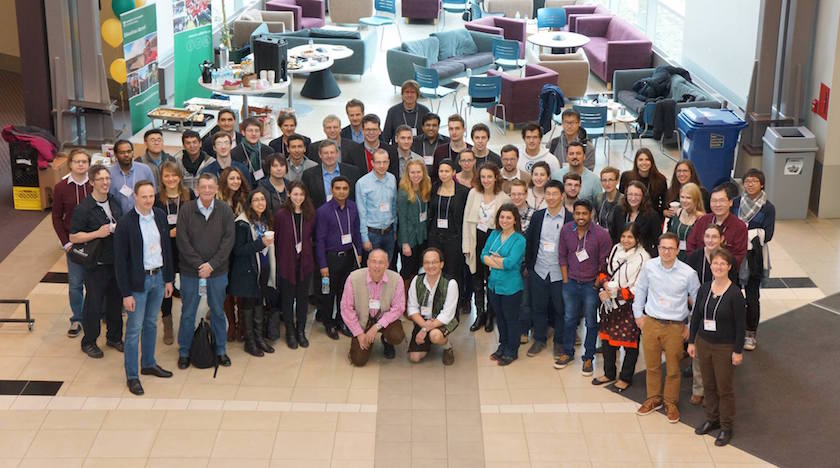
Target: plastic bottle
column 202, row 287
column 517, row 15
column 325, row 285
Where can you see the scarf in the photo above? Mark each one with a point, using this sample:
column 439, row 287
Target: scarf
column 252, row 152
column 624, row 266
column 749, row 207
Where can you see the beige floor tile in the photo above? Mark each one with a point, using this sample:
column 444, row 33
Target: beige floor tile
column 506, row 447
column 459, row 463
column 22, row 419
column 198, row 420
column 238, row 463
column 617, row 447
column 308, row 422
column 123, row 443
column 362, row 395
column 11, row 366
column 112, row 462
column 356, row 422
column 560, row 423
column 400, row 432
column 595, row 423
column 502, row 423
column 319, row 395
column 677, row 448
column 428, row 463
column 51, row 462
column 177, row 463
column 494, row 397
column 303, row 445
column 74, row 419
column 185, row 443
column 209, row 391
column 30, row 402
column 264, row 393
column 250, row 420
column 458, row 417
column 729, row 454
column 9, row 462
column 276, row 463
column 353, row 446
column 52, row 368
column 537, row 395
column 243, row 444
column 14, row 443
column 389, row 453
column 548, row 447
column 127, row 419
column 67, row 443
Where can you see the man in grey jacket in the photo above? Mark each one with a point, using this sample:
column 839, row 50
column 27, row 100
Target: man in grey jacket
column 572, row 131
column 205, row 236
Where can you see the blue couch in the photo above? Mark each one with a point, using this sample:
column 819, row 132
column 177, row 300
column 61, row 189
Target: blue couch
column 364, row 46
column 448, row 52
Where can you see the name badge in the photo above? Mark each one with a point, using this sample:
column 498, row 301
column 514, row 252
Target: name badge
column 346, row 239
column 385, row 207
column 373, row 304
column 443, row 223
column 423, row 216
column 299, row 246
column 259, row 174
column 413, row 132
column 172, row 219
column 125, row 191
column 329, row 196
column 429, row 160
column 425, row 311
column 548, row 246
column 682, row 245
column 709, row 325
column 482, row 227
column 582, row 256
column 112, row 227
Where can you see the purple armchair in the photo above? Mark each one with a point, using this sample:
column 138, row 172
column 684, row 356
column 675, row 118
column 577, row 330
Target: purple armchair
column 573, row 12
column 308, row 13
column 420, row 9
column 509, row 28
column 521, row 95
column 614, row 44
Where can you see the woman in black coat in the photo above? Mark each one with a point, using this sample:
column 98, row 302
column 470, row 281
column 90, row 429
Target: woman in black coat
column 638, row 210
column 252, row 272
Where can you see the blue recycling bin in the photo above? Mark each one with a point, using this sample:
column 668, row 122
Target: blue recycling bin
column 709, row 138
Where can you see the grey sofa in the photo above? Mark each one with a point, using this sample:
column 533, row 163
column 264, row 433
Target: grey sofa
column 623, row 81
column 363, row 44
column 448, row 52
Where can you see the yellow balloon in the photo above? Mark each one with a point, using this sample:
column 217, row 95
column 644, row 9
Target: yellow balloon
column 139, row 3
column 112, row 32
column 117, row 70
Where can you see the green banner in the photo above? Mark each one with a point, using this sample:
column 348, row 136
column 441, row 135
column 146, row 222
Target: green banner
column 140, row 50
column 192, row 23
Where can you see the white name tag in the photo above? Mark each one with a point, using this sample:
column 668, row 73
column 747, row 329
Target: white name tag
column 112, row 227
column 443, row 223
column 125, row 191
column 423, row 216
column 172, row 219
column 582, row 256
column 329, row 196
column 548, row 246
column 259, row 174
column 425, row 311
column 682, row 245
column 709, row 325
column 385, row 207
column 429, row 160
column 346, row 239
column 482, row 227
column 299, row 247
column 413, row 132
column 373, row 304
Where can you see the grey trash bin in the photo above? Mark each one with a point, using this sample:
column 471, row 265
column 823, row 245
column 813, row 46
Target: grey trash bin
column 788, row 165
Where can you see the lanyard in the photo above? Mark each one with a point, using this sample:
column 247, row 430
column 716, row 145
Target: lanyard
column 337, row 220
column 299, row 238
column 498, row 243
column 125, row 180
column 706, row 306
column 579, row 247
column 416, row 116
column 703, row 270
column 448, row 200
column 420, row 203
column 434, row 145
column 177, row 206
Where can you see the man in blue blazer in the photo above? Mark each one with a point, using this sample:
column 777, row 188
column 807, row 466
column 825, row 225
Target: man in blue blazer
column 144, row 272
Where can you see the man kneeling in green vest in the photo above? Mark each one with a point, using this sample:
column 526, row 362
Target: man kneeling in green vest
column 432, row 303
column 374, row 296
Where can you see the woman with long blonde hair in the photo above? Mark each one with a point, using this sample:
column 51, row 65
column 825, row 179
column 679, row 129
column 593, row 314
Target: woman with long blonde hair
column 413, row 196
column 691, row 208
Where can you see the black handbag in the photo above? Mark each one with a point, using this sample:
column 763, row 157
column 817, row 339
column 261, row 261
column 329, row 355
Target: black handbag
column 86, row 254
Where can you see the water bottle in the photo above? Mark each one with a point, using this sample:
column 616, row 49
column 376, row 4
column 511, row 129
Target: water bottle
column 325, row 285
column 224, row 56
column 517, row 14
column 202, row 287
column 469, row 72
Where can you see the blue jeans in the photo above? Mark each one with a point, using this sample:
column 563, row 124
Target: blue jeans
column 546, row 307
column 580, row 299
column 385, row 243
column 76, row 278
column 507, row 317
column 142, row 325
column 216, row 286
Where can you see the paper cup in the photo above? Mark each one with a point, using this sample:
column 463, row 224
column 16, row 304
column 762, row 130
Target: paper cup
column 270, row 76
column 612, row 288
column 675, row 205
column 269, row 235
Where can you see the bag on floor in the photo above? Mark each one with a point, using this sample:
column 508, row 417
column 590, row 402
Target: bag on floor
column 203, row 349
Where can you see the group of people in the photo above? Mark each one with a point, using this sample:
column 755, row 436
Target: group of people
column 531, row 236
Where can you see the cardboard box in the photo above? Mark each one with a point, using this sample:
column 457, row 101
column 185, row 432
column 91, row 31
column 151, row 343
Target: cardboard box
column 47, row 179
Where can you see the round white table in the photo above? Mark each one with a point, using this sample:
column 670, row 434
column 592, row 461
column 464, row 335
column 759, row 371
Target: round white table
column 244, row 91
column 564, row 40
column 320, row 84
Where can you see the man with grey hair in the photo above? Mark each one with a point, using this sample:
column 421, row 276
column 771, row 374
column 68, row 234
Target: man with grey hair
column 349, row 151
column 408, row 112
column 317, row 179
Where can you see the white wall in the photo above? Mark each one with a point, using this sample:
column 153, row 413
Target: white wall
column 822, row 66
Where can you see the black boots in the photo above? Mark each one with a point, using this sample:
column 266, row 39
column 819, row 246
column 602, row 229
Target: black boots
column 291, row 338
column 301, row 335
column 259, row 330
column 250, row 340
column 488, row 325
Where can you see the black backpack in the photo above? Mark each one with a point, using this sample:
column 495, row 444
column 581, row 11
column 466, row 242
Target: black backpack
column 203, row 349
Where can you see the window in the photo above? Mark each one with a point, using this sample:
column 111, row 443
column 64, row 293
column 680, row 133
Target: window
column 669, row 26
column 634, row 11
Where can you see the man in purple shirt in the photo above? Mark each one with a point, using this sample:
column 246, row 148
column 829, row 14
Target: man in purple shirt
column 338, row 243
column 583, row 249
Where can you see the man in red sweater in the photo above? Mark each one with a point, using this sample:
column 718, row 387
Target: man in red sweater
column 734, row 230
column 67, row 194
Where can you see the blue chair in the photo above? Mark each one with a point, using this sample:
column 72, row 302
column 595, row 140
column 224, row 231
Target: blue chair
column 485, row 92
column 551, row 18
column 452, row 6
column 506, row 55
column 430, row 86
column 594, row 120
column 380, row 7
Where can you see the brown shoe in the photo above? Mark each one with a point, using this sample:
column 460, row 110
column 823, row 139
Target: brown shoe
column 672, row 413
column 448, row 357
column 168, row 335
column 649, row 406
column 696, row 400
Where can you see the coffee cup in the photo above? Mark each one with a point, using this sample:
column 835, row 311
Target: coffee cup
column 269, row 235
column 270, row 77
column 675, row 205
column 612, row 288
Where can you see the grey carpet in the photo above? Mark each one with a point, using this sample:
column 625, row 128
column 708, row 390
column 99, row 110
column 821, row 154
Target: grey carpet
column 787, row 406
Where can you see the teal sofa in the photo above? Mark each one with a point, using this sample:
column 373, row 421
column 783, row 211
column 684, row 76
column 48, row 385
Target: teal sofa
column 448, row 52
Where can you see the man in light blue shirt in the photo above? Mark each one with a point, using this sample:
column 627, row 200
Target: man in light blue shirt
column 376, row 200
column 590, row 184
column 126, row 173
column 662, row 294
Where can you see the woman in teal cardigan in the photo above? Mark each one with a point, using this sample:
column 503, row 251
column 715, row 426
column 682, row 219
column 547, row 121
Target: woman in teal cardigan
column 412, row 217
column 503, row 254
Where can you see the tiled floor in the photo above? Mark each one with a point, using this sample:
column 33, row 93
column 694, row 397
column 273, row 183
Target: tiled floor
column 310, row 408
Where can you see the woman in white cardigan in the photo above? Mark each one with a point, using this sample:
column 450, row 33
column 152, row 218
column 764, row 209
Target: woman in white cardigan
column 479, row 215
